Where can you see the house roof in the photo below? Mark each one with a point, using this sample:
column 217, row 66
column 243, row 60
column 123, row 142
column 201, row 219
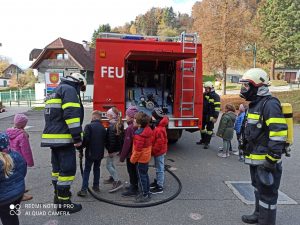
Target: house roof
column 84, row 58
column 34, row 54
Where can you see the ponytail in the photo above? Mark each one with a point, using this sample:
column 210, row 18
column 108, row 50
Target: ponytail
column 8, row 164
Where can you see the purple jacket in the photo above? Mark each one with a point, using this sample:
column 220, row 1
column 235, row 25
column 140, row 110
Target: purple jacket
column 128, row 141
column 19, row 141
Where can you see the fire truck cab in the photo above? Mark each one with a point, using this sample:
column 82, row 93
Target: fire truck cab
column 151, row 72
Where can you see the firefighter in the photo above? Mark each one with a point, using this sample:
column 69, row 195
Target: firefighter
column 63, row 133
column 211, row 110
column 264, row 136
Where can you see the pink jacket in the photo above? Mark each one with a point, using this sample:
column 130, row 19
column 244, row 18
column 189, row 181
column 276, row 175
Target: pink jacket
column 19, row 141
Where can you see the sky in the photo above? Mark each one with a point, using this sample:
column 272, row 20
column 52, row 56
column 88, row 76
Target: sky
column 29, row 24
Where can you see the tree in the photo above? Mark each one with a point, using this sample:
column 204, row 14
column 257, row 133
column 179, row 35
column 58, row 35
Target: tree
column 4, row 63
column 25, row 80
column 101, row 28
column 279, row 22
column 223, row 28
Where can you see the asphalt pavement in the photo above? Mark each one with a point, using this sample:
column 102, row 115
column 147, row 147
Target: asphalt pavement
column 205, row 199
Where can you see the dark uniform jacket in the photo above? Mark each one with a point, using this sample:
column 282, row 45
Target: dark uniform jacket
column 63, row 116
column 94, row 140
column 211, row 105
column 265, row 131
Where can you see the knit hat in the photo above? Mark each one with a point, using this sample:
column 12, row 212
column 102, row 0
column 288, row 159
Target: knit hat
column 4, row 141
column 157, row 113
column 112, row 113
column 131, row 111
column 20, row 120
column 242, row 108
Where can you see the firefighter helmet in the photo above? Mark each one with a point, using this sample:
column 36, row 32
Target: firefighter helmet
column 208, row 84
column 256, row 76
column 79, row 77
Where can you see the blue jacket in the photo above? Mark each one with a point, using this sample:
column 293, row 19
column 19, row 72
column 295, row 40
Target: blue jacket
column 239, row 122
column 13, row 187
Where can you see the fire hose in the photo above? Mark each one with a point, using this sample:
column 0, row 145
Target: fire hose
column 137, row 205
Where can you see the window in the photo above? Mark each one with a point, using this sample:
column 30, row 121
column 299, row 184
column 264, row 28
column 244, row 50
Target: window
column 59, row 56
column 66, row 56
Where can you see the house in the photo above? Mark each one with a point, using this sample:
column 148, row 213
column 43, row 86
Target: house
column 61, row 58
column 290, row 75
column 11, row 70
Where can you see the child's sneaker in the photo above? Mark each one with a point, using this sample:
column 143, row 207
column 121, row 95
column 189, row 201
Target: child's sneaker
column 82, row 193
column 153, row 184
column 96, row 189
column 116, row 186
column 223, row 155
column 110, row 180
column 157, row 190
column 131, row 192
column 143, row 198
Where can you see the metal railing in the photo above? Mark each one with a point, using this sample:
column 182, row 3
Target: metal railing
column 17, row 96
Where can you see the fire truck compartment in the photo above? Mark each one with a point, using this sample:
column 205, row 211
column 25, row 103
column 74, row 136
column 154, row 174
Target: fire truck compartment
column 150, row 84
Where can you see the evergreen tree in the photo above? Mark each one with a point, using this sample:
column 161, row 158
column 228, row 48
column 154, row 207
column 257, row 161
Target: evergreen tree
column 279, row 21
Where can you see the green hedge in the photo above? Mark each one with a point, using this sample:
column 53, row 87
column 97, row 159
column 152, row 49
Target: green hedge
column 209, row 78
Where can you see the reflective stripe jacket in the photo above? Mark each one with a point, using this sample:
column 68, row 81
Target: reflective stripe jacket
column 211, row 105
column 63, row 116
column 265, row 132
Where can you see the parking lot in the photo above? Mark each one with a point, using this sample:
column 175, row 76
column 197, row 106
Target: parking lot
column 204, row 199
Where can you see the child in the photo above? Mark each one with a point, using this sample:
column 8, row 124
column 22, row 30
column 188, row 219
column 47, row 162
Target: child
column 132, row 190
column 159, row 149
column 94, row 142
column 12, row 184
column 238, row 126
column 141, row 154
column 19, row 141
column 225, row 129
column 113, row 144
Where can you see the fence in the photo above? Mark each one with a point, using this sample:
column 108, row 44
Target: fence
column 17, row 96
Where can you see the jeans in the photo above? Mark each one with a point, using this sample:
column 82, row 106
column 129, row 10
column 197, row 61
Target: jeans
column 160, row 169
column 142, row 172
column 131, row 169
column 226, row 146
column 110, row 166
column 87, row 170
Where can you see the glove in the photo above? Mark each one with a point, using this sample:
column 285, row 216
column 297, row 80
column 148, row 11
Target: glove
column 270, row 167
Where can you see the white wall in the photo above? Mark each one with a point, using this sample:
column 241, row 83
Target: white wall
column 2, row 82
column 39, row 91
column 89, row 93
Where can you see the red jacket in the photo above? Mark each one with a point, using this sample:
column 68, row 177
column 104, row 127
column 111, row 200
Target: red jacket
column 159, row 138
column 142, row 145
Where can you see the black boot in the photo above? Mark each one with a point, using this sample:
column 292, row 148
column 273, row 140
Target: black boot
column 202, row 140
column 64, row 202
column 253, row 218
column 266, row 216
column 207, row 141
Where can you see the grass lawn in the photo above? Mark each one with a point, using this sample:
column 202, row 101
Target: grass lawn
column 292, row 97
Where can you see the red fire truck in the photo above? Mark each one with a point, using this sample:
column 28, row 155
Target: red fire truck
column 150, row 72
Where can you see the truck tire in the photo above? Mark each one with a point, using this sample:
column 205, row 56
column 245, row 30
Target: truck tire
column 174, row 135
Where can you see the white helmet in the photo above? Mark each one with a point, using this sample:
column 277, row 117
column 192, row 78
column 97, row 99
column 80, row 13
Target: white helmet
column 256, row 76
column 208, row 84
column 79, row 77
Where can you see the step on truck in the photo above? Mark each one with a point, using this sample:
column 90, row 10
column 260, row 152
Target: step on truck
column 150, row 72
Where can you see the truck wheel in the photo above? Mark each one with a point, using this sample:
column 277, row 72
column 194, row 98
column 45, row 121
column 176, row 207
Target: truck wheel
column 174, row 135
